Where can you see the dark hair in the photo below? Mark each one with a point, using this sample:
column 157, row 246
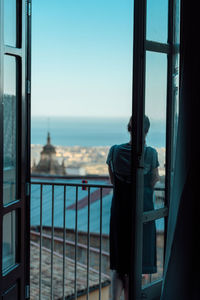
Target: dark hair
column 146, row 124
column 129, row 126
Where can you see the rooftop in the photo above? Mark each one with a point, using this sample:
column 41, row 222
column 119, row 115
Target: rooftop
column 71, row 207
column 58, row 275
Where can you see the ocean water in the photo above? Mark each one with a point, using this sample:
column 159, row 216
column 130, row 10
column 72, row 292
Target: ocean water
column 72, row 131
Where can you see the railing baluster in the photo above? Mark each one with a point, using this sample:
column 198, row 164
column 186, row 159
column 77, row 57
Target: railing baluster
column 52, row 240
column 76, row 241
column 100, row 262
column 40, row 254
column 63, row 276
column 76, row 185
column 88, row 246
column 64, row 239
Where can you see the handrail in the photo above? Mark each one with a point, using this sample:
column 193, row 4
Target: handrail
column 75, row 184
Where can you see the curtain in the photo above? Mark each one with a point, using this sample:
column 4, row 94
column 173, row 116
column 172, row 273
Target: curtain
column 182, row 263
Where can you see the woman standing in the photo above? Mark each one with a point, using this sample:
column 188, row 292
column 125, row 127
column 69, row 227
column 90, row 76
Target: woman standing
column 119, row 166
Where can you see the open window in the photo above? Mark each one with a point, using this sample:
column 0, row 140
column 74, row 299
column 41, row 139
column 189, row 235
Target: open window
column 155, row 92
column 155, row 65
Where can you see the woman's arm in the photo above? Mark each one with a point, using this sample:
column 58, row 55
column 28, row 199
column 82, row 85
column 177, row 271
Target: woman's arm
column 111, row 175
column 155, row 177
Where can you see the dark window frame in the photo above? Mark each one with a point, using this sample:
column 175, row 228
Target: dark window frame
column 16, row 278
column 140, row 47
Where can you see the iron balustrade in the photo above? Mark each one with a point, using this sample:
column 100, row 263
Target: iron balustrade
column 65, row 185
column 147, row 216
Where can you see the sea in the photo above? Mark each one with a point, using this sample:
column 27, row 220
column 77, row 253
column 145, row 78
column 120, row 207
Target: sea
column 90, row 131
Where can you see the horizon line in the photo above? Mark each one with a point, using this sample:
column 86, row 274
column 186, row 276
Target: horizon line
column 89, row 117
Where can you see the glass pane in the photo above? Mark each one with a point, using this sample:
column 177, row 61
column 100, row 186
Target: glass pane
column 175, row 86
column 177, row 22
column 176, row 76
column 157, row 20
column 153, row 253
column 10, row 160
column 9, row 240
column 155, row 109
column 10, row 37
column 154, row 162
column 159, row 197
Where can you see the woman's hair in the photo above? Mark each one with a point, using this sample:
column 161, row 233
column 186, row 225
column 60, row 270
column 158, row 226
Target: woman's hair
column 129, row 126
column 146, row 124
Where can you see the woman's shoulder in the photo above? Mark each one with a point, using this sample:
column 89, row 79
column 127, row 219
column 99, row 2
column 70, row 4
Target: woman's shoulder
column 117, row 151
column 125, row 146
column 110, row 154
column 120, row 146
column 151, row 150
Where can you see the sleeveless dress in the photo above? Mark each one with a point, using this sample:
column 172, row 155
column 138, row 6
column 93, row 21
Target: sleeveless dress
column 120, row 219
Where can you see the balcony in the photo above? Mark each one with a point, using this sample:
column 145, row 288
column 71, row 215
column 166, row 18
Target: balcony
column 70, row 238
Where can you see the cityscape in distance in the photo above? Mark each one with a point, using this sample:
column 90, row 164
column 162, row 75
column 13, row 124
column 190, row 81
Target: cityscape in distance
column 83, row 160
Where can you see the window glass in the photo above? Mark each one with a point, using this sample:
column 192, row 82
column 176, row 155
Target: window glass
column 9, row 240
column 176, row 77
column 153, row 252
column 177, row 22
column 155, row 109
column 157, row 20
column 175, row 87
column 154, row 163
column 9, row 123
column 10, row 20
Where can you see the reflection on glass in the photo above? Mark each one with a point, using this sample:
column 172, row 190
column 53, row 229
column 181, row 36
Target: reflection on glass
column 175, row 86
column 10, row 23
column 159, row 237
column 159, row 197
column 176, row 75
column 9, row 240
column 157, row 20
column 9, row 160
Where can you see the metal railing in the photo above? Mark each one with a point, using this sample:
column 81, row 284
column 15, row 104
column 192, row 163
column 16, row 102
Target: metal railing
column 65, row 186
column 147, row 216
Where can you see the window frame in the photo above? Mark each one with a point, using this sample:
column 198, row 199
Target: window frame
column 15, row 279
column 140, row 47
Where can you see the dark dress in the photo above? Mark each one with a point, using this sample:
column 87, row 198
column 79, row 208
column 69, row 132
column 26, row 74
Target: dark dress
column 120, row 219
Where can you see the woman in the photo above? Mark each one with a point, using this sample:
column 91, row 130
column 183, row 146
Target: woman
column 119, row 166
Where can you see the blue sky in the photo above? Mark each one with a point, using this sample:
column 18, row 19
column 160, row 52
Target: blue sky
column 82, row 58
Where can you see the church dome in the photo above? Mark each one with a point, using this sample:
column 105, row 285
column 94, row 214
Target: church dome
column 48, row 163
column 48, row 148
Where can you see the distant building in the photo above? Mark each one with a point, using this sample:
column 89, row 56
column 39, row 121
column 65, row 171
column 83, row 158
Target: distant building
column 48, row 163
column 76, row 171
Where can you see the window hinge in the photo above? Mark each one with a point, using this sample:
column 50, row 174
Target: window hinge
column 29, row 8
column 28, row 86
column 27, row 189
column 27, row 291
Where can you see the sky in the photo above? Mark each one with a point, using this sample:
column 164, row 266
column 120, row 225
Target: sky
column 82, row 58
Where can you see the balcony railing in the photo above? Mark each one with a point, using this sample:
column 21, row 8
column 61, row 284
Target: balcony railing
column 81, row 250
column 102, row 278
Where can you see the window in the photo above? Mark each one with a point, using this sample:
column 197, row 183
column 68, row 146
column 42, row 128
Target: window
column 155, row 93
